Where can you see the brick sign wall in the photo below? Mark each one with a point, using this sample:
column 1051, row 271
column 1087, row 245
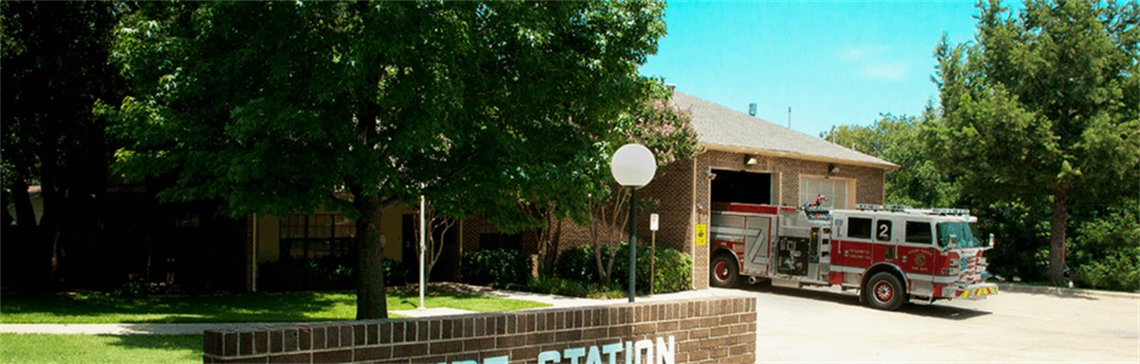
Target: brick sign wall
column 713, row 330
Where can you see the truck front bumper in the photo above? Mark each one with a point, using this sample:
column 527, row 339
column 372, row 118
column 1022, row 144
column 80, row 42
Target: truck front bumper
column 971, row 292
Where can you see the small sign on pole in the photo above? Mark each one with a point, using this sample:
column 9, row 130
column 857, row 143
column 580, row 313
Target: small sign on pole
column 653, row 222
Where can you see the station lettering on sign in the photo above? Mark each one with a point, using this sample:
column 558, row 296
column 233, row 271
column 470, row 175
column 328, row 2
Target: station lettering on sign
column 642, row 351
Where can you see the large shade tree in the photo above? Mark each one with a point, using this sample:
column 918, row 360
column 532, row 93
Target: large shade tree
column 1043, row 103
column 53, row 61
column 277, row 107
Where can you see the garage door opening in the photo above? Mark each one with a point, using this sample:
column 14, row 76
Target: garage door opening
column 742, row 187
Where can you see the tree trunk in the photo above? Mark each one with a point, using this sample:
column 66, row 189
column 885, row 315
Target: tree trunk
column 370, row 300
column 1057, row 236
column 25, row 214
column 554, row 239
column 7, row 218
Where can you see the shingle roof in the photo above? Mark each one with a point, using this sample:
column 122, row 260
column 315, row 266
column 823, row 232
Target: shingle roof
column 721, row 128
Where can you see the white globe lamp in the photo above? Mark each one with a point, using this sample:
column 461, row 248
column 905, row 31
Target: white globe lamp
column 633, row 167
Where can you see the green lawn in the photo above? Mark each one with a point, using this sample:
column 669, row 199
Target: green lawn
column 94, row 308
column 36, row 348
column 277, row 307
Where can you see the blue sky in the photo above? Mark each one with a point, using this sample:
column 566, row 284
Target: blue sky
column 833, row 63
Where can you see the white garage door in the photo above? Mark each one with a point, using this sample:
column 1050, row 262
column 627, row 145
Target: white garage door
column 834, row 189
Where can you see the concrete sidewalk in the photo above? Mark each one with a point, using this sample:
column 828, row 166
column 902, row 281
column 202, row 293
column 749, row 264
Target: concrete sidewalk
column 194, row 329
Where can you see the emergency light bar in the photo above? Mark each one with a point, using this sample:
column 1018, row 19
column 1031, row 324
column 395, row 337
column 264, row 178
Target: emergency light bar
column 951, row 212
column 912, row 210
column 899, row 208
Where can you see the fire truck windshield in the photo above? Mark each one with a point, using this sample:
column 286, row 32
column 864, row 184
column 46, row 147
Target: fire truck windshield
column 962, row 233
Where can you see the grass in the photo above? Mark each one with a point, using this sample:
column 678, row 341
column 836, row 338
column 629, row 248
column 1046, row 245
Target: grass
column 35, row 348
column 277, row 307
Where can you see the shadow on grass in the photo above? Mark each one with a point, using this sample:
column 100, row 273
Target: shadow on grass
column 161, row 348
column 97, row 308
column 236, row 308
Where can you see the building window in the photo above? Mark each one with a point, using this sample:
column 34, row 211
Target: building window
column 833, row 189
column 316, row 236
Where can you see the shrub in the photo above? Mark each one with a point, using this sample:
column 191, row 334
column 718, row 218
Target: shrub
column 329, row 273
column 395, row 273
column 1117, row 272
column 288, row 275
column 672, row 273
column 577, row 264
column 1104, row 251
column 495, row 267
column 566, row 287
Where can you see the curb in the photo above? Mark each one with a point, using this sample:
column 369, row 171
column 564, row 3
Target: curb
column 1064, row 292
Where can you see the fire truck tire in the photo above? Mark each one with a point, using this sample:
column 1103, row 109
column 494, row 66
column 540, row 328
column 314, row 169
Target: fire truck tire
column 723, row 272
column 884, row 291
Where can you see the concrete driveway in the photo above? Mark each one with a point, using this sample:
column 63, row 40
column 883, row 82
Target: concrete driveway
column 817, row 325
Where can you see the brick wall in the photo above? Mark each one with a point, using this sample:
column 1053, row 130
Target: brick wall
column 712, row 330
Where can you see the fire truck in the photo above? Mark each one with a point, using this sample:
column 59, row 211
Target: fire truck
column 890, row 254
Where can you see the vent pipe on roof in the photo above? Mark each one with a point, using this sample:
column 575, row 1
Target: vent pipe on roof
column 752, row 109
column 789, row 117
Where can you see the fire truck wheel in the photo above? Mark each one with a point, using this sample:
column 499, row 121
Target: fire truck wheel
column 885, row 292
column 723, row 271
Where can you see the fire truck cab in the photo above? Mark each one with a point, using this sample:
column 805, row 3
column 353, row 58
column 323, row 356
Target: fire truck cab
column 891, row 254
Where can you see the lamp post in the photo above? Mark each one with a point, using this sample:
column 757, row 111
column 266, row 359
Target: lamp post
column 633, row 167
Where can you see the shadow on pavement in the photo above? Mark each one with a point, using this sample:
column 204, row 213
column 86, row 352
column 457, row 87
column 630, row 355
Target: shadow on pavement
column 851, row 298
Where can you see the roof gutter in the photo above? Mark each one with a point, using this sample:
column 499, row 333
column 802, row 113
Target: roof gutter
column 772, row 153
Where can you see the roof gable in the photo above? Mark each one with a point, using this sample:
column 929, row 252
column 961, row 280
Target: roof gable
column 721, row 128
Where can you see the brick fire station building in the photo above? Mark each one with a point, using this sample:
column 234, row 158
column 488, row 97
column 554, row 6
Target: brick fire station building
column 750, row 160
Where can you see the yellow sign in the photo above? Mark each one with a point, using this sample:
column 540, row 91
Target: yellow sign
column 702, row 234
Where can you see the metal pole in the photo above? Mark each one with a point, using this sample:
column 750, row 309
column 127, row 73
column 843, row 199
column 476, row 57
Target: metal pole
column 652, row 261
column 632, row 243
column 423, row 236
column 254, row 273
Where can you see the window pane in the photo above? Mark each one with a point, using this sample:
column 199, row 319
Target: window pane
column 293, row 227
column 320, row 226
column 859, row 228
column 918, row 232
column 344, row 227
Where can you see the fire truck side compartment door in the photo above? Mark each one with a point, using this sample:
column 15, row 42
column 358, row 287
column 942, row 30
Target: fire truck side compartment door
column 758, row 235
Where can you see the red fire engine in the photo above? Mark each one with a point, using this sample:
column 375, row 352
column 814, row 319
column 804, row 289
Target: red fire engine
column 888, row 253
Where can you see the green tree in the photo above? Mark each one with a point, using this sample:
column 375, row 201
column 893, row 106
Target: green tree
column 662, row 127
column 1106, row 248
column 1042, row 104
column 919, row 181
column 277, row 107
column 54, row 72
